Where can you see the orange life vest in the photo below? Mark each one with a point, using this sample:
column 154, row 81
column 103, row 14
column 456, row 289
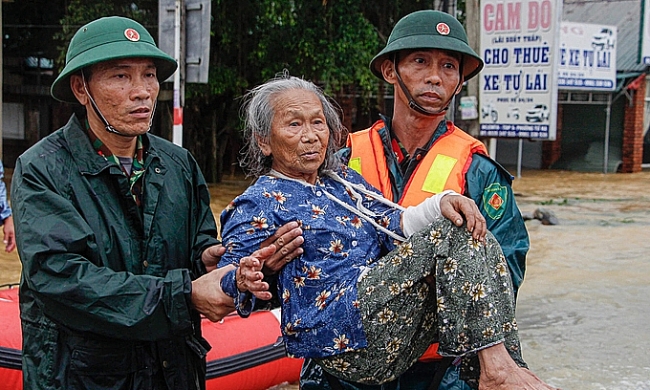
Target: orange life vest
column 443, row 168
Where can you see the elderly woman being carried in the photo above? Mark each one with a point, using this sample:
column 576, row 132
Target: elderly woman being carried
column 376, row 283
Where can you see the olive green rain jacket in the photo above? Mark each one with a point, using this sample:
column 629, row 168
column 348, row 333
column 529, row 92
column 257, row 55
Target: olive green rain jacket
column 105, row 287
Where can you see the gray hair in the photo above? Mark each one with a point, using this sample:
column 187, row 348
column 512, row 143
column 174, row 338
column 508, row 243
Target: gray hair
column 258, row 111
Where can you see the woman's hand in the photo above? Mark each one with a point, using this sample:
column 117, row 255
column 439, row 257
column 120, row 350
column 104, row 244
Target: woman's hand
column 287, row 240
column 249, row 273
column 210, row 300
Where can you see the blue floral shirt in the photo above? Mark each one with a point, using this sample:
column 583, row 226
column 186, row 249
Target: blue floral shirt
column 320, row 314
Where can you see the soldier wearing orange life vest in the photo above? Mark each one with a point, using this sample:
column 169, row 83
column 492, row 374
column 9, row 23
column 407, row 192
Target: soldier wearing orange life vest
column 418, row 153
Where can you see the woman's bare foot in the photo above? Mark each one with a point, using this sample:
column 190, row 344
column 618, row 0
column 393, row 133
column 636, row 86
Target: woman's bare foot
column 500, row 372
column 517, row 379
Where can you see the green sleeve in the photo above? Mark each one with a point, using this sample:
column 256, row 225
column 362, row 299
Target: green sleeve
column 489, row 185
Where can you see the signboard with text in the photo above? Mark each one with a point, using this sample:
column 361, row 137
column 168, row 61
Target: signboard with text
column 518, row 86
column 587, row 57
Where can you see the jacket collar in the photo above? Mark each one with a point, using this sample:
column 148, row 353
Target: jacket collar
column 85, row 156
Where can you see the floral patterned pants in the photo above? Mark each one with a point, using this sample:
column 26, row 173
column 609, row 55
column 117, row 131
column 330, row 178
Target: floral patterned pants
column 470, row 306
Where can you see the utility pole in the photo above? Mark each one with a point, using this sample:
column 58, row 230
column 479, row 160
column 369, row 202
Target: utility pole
column 178, row 104
column 184, row 33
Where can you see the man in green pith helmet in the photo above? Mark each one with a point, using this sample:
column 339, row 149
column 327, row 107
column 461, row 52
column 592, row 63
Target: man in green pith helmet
column 115, row 232
column 418, row 153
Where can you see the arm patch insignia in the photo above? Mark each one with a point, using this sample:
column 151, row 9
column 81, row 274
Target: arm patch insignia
column 495, row 196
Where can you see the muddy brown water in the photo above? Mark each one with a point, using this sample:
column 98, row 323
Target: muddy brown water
column 584, row 307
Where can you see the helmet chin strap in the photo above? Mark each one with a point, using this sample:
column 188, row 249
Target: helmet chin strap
column 107, row 126
column 412, row 103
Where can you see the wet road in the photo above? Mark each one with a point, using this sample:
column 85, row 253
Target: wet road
column 584, row 307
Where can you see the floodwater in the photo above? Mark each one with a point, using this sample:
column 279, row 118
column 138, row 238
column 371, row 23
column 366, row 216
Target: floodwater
column 584, row 308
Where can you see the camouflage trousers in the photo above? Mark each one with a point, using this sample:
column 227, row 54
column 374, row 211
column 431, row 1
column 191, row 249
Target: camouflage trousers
column 470, row 306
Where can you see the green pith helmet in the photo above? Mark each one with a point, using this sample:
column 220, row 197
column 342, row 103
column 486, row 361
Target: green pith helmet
column 107, row 39
column 429, row 29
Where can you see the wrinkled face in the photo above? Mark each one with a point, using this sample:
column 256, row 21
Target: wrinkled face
column 299, row 135
column 125, row 91
column 432, row 76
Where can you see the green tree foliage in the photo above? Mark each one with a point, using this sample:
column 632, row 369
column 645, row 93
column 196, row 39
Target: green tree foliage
column 328, row 42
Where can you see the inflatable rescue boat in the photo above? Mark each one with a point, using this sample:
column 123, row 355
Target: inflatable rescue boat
column 251, row 361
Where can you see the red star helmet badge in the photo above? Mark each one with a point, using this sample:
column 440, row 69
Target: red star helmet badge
column 442, row 28
column 132, row 35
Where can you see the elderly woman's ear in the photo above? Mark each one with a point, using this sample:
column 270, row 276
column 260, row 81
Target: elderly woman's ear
column 264, row 145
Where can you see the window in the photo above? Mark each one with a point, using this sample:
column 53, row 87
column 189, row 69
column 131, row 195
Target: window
column 13, row 120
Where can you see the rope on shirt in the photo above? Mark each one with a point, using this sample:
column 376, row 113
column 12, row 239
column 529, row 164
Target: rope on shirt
column 361, row 210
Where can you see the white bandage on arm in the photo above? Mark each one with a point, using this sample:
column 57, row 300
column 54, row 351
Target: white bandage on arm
column 418, row 217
